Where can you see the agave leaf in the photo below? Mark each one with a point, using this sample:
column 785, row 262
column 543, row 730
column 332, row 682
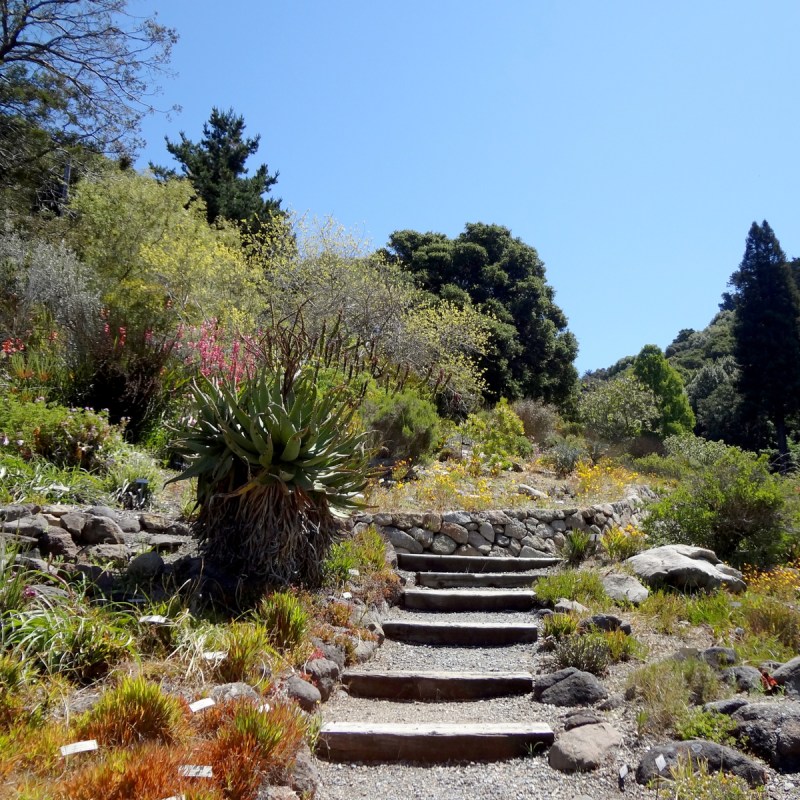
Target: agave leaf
column 291, row 449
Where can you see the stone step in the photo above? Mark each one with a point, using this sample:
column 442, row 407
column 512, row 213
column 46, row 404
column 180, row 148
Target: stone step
column 454, row 600
column 436, row 686
column 478, row 580
column 423, row 562
column 460, row 634
column 437, row 742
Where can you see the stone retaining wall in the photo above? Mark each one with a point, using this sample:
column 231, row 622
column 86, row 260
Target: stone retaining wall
column 512, row 532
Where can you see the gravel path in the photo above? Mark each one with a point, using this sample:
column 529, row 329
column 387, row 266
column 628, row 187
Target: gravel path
column 529, row 778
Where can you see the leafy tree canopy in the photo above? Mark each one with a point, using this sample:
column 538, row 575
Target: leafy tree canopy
column 655, row 372
column 531, row 352
column 75, row 72
column 216, row 167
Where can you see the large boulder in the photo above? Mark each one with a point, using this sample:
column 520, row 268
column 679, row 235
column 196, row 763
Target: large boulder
column 683, row 566
column 569, row 687
column 717, row 757
column 583, row 748
column 772, row 731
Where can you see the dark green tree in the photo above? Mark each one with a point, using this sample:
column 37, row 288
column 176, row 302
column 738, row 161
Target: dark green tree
column 531, row 352
column 655, row 372
column 767, row 332
column 216, row 167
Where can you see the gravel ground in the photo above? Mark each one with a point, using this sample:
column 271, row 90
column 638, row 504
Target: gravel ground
column 527, row 778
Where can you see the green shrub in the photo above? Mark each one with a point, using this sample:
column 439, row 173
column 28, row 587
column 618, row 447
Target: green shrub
column 589, row 652
column 584, row 586
column 734, row 507
column 666, row 607
column 621, row 544
column 365, row 551
column 709, row 725
column 565, row 455
column 66, row 437
column 691, row 779
column 498, row 433
column 404, row 422
column 248, row 651
column 285, row 618
column 37, row 480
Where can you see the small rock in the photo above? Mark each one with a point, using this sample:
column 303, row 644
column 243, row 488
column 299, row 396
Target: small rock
column 146, row 566
column 154, row 523
column 530, row 491
column 719, row 657
column 303, row 775
column 788, row 676
column 772, row 731
column 324, row 673
column 458, row 533
column 58, row 543
column 101, row 530
column 164, row 543
column 234, row 691
column 579, row 718
column 745, row 679
column 728, row 706
column 584, row 748
column 330, row 651
column 402, row 539
column 33, row 526
column 442, row 545
column 306, row 694
column 564, row 606
column 364, row 651
column 685, row 567
column 115, row 554
column 605, row 622
column 569, row 687
column 625, row 588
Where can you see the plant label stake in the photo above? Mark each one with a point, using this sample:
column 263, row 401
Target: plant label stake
column 623, row 772
column 194, row 771
column 200, row 705
column 661, row 763
column 79, row 747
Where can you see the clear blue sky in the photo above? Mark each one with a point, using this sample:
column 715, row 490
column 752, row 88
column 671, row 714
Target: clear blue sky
column 632, row 143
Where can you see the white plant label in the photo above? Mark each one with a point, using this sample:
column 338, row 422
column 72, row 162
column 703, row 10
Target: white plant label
column 661, row 762
column 194, row 771
column 79, row 747
column 215, row 655
column 347, row 595
column 154, row 619
column 199, row 705
column 623, row 771
column 264, row 708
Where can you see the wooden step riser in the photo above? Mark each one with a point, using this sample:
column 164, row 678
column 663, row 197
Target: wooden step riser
column 414, row 562
column 459, row 635
column 443, row 601
column 435, row 687
column 476, row 580
column 430, row 744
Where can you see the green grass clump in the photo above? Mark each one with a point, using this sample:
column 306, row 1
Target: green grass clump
column 584, row 586
column 137, row 710
column 249, row 654
column 666, row 609
column 365, row 551
column 557, row 626
column 667, row 689
column 578, row 546
column 691, row 779
column 285, row 618
column 588, row 652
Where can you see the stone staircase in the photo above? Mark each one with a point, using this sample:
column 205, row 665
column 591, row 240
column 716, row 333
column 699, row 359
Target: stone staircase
column 447, row 586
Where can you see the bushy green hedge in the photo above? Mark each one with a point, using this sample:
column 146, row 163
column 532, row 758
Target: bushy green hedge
column 498, row 433
column 405, row 423
column 733, row 506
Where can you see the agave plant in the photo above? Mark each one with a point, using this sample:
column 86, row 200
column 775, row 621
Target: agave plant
column 275, row 460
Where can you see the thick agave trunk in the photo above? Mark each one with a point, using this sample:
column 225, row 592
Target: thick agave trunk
column 267, row 537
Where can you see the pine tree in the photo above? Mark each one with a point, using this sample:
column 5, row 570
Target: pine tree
column 767, row 332
column 216, row 167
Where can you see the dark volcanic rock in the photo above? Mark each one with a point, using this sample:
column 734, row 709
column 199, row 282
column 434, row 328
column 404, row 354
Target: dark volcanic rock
column 772, row 731
column 717, row 756
column 569, row 687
